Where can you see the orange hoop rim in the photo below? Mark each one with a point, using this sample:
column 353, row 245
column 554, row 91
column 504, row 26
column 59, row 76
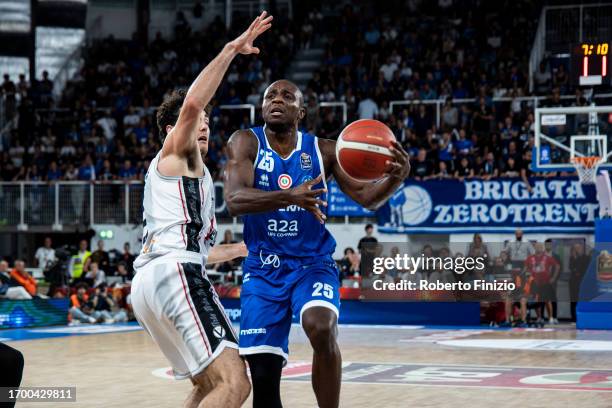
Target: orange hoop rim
column 587, row 161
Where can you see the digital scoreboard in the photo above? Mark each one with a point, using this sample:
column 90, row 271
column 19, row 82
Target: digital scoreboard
column 590, row 61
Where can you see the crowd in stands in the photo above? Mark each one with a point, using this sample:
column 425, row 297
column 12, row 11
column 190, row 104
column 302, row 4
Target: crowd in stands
column 104, row 128
column 97, row 283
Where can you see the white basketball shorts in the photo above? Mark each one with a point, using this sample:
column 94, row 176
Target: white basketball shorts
column 176, row 304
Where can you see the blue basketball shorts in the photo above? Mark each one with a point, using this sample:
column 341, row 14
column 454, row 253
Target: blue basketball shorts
column 274, row 290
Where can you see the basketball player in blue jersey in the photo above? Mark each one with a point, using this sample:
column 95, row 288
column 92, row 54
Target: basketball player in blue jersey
column 276, row 177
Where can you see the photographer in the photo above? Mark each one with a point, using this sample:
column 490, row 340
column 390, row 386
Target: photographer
column 103, row 305
column 57, row 273
column 80, row 306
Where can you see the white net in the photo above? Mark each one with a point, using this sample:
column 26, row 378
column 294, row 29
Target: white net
column 586, row 167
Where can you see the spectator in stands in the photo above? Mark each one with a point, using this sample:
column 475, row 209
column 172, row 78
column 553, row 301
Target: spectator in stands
column 100, row 256
column 421, row 167
column 367, row 109
column 45, row 255
column 349, row 264
column 128, row 258
column 123, row 272
column 95, row 276
column 489, row 168
column 80, row 261
column 121, row 306
column 365, row 243
column 23, row 278
column 518, row 250
column 81, row 308
column 477, row 248
column 440, row 173
column 104, row 306
column 9, row 288
column 9, row 91
column 450, row 115
column 127, row 171
column 578, row 265
column 87, row 171
column 464, row 169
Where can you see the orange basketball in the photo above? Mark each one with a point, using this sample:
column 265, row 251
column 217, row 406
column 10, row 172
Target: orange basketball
column 363, row 148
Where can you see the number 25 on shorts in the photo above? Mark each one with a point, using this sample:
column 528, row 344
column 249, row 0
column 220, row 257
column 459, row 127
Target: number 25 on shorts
column 321, row 289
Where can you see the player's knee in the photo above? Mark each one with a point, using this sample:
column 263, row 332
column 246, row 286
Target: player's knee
column 238, row 384
column 321, row 332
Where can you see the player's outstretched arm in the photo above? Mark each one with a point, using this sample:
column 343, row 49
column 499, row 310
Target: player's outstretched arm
column 180, row 141
column 371, row 195
column 226, row 252
column 240, row 196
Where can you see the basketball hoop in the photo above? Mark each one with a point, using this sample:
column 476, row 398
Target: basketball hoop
column 586, row 167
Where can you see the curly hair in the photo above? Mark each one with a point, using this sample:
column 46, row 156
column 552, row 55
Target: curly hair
column 168, row 111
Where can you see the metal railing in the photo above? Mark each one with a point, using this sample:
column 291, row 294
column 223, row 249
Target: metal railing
column 335, row 105
column 530, row 100
column 30, row 203
column 247, row 106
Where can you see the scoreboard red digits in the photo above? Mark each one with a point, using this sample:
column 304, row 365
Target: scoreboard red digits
column 590, row 63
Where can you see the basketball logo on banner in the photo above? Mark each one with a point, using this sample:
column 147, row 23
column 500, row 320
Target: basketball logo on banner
column 410, row 206
column 284, row 181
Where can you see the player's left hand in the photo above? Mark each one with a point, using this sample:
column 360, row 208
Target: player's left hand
column 399, row 167
column 242, row 249
column 244, row 43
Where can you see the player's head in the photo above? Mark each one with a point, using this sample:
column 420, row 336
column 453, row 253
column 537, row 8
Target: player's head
column 283, row 106
column 539, row 247
column 168, row 113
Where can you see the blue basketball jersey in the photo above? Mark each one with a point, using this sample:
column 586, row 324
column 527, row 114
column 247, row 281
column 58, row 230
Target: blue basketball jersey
column 291, row 231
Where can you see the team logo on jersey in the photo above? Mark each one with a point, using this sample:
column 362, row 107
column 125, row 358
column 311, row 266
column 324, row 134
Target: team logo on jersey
column 284, row 181
column 305, row 161
column 305, row 179
column 219, row 332
column 264, row 180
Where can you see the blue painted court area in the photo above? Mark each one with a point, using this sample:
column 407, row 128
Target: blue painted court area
column 65, row 331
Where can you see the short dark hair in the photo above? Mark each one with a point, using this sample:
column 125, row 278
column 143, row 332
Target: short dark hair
column 168, row 111
column 368, row 226
column 82, row 285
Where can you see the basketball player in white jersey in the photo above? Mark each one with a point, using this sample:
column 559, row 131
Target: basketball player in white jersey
column 171, row 295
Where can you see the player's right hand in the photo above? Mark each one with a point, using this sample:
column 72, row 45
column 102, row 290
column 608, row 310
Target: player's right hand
column 244, row 43
column 307, row 198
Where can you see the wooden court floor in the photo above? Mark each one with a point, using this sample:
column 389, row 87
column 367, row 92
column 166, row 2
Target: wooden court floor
column 115, row 370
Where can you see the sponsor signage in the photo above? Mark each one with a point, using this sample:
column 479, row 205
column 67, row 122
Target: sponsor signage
column 578, row 379
column 339, row 204
column 500, row 205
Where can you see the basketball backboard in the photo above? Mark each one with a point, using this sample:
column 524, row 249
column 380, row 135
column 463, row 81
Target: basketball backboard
column 567, row 132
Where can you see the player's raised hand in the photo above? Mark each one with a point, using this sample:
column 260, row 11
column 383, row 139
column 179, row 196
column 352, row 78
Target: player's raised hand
column 307, row 198
column 399, row 167
column 244, row 43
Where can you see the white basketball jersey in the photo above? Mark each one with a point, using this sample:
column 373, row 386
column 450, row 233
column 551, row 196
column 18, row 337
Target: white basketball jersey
column 178, row 215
